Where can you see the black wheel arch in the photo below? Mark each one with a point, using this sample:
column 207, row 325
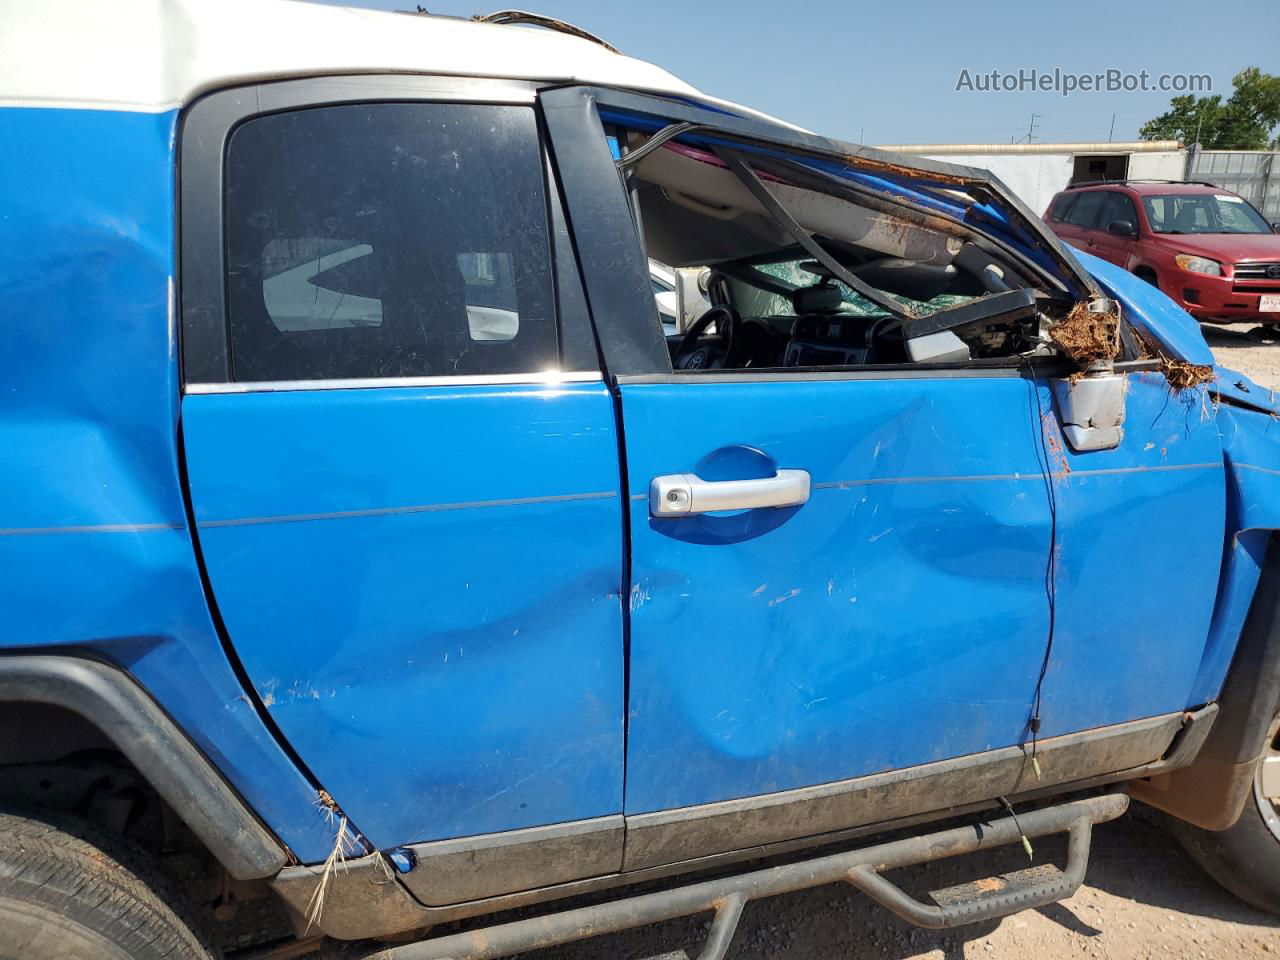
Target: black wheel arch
column 1212, row 791
column 115, row 705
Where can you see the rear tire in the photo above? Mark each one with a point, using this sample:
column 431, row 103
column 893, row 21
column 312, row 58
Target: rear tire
column 1244, row 859
column 68, row 892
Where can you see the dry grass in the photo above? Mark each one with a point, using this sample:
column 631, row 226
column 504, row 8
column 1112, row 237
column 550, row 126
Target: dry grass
column 344, row 843
column 1182, row 375
column 1087, row 337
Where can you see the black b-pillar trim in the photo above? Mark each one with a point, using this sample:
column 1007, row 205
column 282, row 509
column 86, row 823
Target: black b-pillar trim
column 614, row 267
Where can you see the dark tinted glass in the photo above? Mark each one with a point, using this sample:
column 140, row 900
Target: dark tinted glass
column 1117, row 207
column 1084, row 212
column 1062, row 206
column 388, row 240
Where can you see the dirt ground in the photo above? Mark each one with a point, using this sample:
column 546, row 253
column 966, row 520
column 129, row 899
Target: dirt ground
column 1143, row 897
column 1235, row 348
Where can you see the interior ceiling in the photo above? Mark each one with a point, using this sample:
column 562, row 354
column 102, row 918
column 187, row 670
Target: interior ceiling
column 695, row 213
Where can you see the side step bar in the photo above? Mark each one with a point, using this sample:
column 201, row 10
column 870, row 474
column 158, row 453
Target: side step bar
column 861, row 868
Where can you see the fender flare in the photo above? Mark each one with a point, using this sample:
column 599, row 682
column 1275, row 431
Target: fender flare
column 129, row 717
column 1212, row 791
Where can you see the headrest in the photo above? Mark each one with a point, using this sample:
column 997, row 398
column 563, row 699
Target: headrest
column 823, row 298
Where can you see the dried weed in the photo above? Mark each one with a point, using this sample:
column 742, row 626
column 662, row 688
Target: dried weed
column 1087, row 337
column 1182, row 375
column 1179, row 374
column 344, row 844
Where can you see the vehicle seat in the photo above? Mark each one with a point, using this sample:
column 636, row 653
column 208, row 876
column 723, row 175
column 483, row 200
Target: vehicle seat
column 1185, row 221
column 822, row 335
column 823, row 298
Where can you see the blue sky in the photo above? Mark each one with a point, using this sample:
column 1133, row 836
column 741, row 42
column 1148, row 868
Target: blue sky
column 888, row 71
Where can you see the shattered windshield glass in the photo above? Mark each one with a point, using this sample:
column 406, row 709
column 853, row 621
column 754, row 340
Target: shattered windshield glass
column 794, row 273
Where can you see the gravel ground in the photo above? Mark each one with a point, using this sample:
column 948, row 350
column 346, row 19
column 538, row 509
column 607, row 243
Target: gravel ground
column 1235, row 347
column 1143, row 898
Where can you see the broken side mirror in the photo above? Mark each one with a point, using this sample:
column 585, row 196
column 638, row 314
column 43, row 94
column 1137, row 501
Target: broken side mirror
column 1091, row 405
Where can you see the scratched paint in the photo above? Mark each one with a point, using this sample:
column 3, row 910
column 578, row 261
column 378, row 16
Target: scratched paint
column 896, row 618
column 95, row 552
column 905, row 612
column 475, row 651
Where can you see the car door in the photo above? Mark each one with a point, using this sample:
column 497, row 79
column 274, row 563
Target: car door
column 1080, row 222
column 852, row 590
column 1056, row 213
column 1114, row 247
column 402, row 460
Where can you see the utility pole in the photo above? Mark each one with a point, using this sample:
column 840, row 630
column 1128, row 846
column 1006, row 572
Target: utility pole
column 1112, row 132
column 1031, row 128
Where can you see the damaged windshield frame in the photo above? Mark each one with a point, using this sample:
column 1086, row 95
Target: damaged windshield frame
column 1001, row 301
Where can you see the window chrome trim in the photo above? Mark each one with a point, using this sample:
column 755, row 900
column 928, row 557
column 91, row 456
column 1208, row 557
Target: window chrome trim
column 335, row 90
column 550, row 378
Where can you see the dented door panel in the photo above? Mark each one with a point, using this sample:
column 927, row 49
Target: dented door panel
column 901, row 615
column 405, row 577
column 897, row 617
column 1140, row 533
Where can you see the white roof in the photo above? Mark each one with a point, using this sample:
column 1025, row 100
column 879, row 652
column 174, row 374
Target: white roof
column 153, row 55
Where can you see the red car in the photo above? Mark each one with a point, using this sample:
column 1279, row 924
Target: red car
column 1207, row 248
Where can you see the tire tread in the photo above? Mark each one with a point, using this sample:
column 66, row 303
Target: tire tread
column 96, row 880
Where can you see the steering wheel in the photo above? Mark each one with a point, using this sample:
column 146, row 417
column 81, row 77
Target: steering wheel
column 692, row 355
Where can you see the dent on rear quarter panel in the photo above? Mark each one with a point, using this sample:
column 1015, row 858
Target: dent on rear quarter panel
column 94, row 550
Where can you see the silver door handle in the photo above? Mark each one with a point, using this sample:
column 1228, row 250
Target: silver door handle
column 682, row 494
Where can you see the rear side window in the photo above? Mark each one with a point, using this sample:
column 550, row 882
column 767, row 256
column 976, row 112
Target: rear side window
column 1061, row 206
column 1084, row 212
column 388, row 240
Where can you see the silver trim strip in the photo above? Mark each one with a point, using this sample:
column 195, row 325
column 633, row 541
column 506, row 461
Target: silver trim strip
column 1255, row 467
column 881, row 481
column 988, row 477
column 91, row 528
column 981, row 478
column 1165, row 468
column 550, row 378
column 334, row 90
column 396, row 511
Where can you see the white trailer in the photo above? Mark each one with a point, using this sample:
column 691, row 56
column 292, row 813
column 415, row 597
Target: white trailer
column 1036, row 171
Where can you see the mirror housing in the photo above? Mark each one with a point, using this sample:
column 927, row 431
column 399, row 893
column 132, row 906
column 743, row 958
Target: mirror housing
column 1091, row 409
column 1121, row 228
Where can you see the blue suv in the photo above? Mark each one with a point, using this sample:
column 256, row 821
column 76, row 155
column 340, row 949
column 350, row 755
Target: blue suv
column 374, row 560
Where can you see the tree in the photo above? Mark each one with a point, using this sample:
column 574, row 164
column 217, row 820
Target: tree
column 1246, row 121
